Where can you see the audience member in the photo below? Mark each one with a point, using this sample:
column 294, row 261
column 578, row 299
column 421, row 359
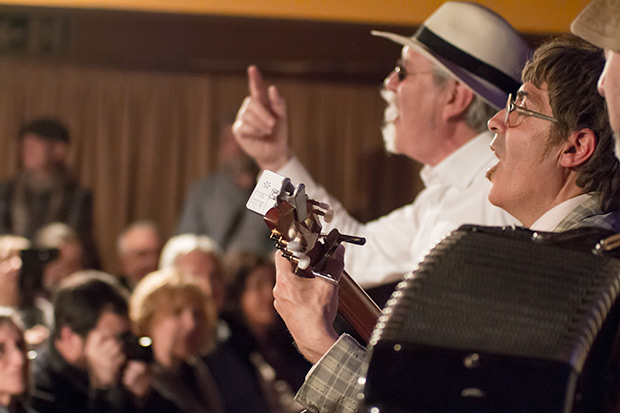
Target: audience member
column 454, row 73
column 138, row 248
column 84, row 368
column 71, row 257
column 174, row 310
column 13, row 365
column 258, row 334
column 44, row 190
column 599, row 23
column 215, row 205
column 239, row 382
column 35, row 312
column 557, row 123
column 198, row 255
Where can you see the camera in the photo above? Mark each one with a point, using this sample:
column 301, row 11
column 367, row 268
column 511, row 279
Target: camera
column 34, row 261
column 137, row 348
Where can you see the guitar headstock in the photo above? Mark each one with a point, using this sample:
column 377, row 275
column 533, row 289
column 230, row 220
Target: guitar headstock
column 295, row 223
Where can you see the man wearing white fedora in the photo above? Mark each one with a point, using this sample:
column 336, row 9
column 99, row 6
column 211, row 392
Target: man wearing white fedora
column 454, row 73
column 599, row 23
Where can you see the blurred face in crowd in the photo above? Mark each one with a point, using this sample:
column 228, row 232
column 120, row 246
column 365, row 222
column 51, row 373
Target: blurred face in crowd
column 70, row 260
column 13, row 364
column 257, row 297
column 609, row 87
column 106, row 333
column 415, row 108
column 178, row 328
column 206, row 267
column 40, row 155
column 140, row 255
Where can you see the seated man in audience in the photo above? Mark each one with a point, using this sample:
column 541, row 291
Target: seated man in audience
column 138, row 248
column 556, row 171
column 44, row 190
column 84, row 368
column 215, row 205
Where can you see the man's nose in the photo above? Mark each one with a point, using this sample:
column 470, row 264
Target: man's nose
column 496, row 123
column 391, row 81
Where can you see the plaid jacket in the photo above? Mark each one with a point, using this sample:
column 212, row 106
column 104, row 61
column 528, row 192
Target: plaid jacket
column 589, row 213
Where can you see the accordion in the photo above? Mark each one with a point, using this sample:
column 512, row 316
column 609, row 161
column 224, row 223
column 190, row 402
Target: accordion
column 501, row 319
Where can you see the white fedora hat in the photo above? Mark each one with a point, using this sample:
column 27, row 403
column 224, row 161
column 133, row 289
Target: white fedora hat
column 475, row 44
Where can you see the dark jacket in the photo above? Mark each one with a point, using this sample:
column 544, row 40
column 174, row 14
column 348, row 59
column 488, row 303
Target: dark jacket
column 60, row 387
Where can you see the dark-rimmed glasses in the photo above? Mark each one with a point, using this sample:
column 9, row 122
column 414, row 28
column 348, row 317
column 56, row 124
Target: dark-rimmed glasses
column 402, row 73
column 512, row 107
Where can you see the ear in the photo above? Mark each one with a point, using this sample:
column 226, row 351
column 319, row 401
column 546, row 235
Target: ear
column 578, row 148
column 458, row 99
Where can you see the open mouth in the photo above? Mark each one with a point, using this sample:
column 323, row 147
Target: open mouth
column 491, row 172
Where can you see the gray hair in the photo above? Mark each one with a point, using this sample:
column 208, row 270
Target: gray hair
column 478, row 112
column 183, row 244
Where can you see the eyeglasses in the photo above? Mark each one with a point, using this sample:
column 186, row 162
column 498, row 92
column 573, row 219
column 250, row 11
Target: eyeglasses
column 402, row 73
column 513, row 110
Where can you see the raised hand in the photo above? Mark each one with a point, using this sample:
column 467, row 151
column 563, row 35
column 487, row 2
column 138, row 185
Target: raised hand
column 104, row 359
column 261, row 124
column 308, row 306
column 137, row 378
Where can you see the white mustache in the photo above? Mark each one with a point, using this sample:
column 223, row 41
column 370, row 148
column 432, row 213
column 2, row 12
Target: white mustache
column 389, row 116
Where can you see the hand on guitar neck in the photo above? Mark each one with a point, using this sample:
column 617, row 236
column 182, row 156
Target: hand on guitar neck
column 311, row 285
column 308, row 306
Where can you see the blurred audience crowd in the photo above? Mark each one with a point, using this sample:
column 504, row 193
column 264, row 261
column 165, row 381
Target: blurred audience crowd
column 185, row 324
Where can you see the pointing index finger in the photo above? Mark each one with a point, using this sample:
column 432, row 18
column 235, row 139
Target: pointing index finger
column 258, row 90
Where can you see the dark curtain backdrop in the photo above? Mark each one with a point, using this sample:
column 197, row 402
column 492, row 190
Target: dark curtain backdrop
column 140, row 138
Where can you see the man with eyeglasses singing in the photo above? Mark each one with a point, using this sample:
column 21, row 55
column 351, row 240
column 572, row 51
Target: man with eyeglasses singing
column 557, row 168
column 454, row 73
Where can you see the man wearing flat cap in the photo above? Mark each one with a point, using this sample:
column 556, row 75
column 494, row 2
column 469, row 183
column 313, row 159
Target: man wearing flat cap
column 44, row 190
column 454, row 73
column 599, row 23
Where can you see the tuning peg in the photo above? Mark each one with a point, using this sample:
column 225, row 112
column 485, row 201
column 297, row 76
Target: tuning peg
column 303, row 262
column 293, row 245
column 328, row 216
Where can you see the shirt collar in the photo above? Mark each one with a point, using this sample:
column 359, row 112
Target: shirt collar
column 550, row 219
column 462, row 166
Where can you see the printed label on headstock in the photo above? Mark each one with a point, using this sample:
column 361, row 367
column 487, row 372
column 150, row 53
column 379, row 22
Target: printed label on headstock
column 265, row 194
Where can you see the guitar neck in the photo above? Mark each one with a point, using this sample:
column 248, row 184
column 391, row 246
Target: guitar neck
column 356, row 307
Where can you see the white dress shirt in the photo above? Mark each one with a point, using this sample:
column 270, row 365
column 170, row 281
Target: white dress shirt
column 550, row 219
column 456, row 193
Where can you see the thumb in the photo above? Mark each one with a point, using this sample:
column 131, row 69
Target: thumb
column 277, row 102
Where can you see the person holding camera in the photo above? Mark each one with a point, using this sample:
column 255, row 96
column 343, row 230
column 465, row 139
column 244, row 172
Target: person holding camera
column 18, row 289
column 84, row 367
